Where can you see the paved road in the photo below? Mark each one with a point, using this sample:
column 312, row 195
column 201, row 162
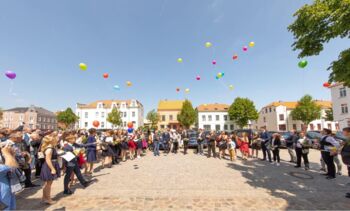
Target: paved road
column 192, row 182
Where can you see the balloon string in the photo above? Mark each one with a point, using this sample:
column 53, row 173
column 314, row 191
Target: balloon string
column 11, row 88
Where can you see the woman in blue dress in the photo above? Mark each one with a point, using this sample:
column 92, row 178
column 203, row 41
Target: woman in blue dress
column 7, row 198
column 91, row 157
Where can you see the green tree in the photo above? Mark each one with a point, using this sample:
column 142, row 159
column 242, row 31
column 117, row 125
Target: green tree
column 317, row 24
column 67, row 118
column 242, row 110
column 1, row 113
column 329, row 115
column 306, row 111
column 187, row 115
column 114, row 117
column 153, row 117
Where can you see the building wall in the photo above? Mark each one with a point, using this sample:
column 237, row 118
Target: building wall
column 222, row 123
column 279, row 119
column 338, row 101
column 165, row 119
column 129, row 114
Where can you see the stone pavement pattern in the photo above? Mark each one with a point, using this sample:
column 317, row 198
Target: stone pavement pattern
column 192, row 182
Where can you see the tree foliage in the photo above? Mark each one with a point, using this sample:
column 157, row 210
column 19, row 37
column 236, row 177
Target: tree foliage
column 329, row 115
column 317, row 24
column 307, row 110
column 114, row 117
column 1, row 113
column 242, row 110
column 67, row 117
column 153, row 117
column 188, row 115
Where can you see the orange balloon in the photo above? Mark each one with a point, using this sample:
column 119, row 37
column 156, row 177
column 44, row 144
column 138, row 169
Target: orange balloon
column 96, row 123
column 130, row 125
column 105, row 75
column 326, row 85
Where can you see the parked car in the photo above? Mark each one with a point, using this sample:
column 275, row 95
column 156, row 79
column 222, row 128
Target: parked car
column 339, row 135
column 193, row 136
column 315, row 137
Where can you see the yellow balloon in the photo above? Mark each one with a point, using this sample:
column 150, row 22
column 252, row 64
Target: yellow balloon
column 83, row 66
column 219, row 75
column 187, row 90
column 251, row 44
column 128, row 83
column 208, row 44
column 231, row 87
column 179, row 60
column 205, row 104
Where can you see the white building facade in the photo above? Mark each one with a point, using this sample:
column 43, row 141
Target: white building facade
column 131, row 111
column 276, row 117
column 341, row 103
column 215, row 117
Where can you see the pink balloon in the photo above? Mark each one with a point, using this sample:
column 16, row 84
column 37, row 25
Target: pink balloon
column 198, row 78
column 11, row 75
column 245, row 48
column 214, row 62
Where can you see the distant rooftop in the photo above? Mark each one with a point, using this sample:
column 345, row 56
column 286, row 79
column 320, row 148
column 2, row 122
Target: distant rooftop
column 170, row 105
column 213, row 107
column 39, row 110
column 106, row 103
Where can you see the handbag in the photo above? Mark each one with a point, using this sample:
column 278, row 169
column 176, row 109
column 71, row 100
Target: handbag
column 41, row 155
column 16, row 177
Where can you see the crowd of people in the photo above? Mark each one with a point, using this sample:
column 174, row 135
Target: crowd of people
column 72, row 154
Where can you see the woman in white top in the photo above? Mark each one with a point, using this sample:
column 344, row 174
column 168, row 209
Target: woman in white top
column 302, row 150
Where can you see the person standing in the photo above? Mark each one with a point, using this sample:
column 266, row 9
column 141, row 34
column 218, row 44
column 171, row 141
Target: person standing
column 211, row 144
column 275, row 147
column 329, row 148
column 290, row 144
column 185, row 138
column 244, row 145
column 156, row 140
column 302, row 150
column 256, row 145
column 91, row 150
column 231, row 145
column 345, row 152
column 166, row 140
column 265, row 143
column 201, row 138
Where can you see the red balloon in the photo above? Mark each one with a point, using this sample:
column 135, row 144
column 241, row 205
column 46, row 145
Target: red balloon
column 235, row 57
column 96, row 123
column 177, row 89
column 130, row 125
column 326, row 84
column 105, row 75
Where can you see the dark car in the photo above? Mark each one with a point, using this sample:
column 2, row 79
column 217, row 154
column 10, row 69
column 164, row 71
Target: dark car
column 193, row 139
column 339, row 135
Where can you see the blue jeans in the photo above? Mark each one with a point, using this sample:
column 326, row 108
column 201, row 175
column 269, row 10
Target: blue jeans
column 156, row 148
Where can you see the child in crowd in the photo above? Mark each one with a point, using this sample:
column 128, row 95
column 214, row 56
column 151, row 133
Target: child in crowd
column 231, row 145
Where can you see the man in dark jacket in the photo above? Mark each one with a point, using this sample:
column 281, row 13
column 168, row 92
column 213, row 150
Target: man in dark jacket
column 345, row 152
column 266, row 139
column 290, row 144
column 166, row 141
column 185, row 139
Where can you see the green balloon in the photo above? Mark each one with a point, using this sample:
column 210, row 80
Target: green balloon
column 302, row 63
column 217, row 77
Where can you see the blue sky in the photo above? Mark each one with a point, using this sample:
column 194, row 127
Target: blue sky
column 140, row 41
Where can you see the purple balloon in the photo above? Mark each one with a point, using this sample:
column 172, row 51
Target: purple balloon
column 11, row 75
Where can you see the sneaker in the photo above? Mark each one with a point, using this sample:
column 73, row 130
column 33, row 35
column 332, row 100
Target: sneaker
column 272, row 163
column 67, row 192
column 86, row 184
column 138, row 157
column 277, row 164
column 330, row 178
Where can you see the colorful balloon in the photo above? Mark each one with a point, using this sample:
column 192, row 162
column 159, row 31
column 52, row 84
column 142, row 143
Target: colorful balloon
column 128, row 83
column 83, row 66
column 208, row 44
column 205, row 104
column 187, row 90
column 231, row 87
column 105, row 75
column 251, row 44
column 198, row 78
column 245, row 48
column 11, row 75
column 177, row 89
column 179, row 60
column 222, row 74
column 116, row 87
column 96, row 123
column 219, row 74
column 326, row 84
column 302, row 64
column 130, row 125
column 217, row 77
column 130, row 130
column 214, row 62
column 235, row 57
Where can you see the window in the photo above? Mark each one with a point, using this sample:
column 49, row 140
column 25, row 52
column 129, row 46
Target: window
column 225, row 117
column 102, row 114
column 133, row 114
column 44, row 119
column 264, row 119
column 203, row 118
column 100, row 105
column 344, row 108
column 282, row 127
column 294, row 126
column 86, row 115
column 281, row 117
column 207, row 127
column 124, row 124
column 232, row 127
column 85, row 124
column 342, row 92
column 217, row 127
column 97, row 114
column 102, row 124
column 270, row 110
column 170, row 117
column 329, row 125
column 163, row 118
column 162, row 126
column 209, row 118
column 348, row 123
column 217, row 117
column 225, row 127
column 124, row 114
column 21, row 117
column 265, row 110
column 319, row 127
